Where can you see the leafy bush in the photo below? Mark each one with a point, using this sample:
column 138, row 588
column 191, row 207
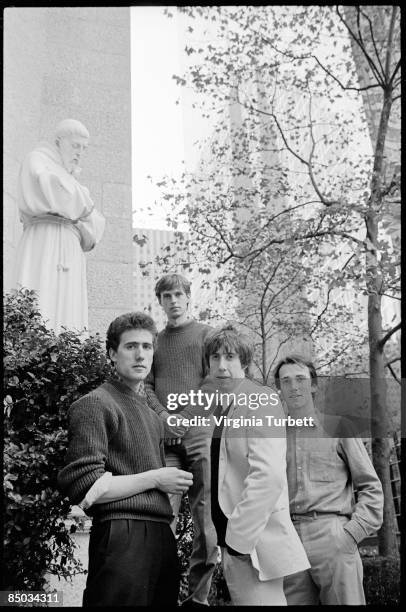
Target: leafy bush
column 184, row 540
column 219, row 594
column 382, row 580
column 43, row 374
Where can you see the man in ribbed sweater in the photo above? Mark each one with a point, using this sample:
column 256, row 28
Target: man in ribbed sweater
column 179, row 367
column 115, row 470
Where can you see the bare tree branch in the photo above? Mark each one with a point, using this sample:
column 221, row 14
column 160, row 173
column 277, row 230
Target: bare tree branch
column 389, row 44
column 391, row 80
column 322, row 365
column 371, row 31
column 321, row 313
column 359, row 40
column 344, row 87
column 386, row 337
column 293, row 58
column 392, row 297
column 394, row 360
column 391, row 370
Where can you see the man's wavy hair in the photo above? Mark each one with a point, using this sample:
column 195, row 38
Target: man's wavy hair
column 295, row 359
column 125, row 322
column 231, row 340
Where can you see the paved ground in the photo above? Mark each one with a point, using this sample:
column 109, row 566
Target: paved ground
column 73, row 590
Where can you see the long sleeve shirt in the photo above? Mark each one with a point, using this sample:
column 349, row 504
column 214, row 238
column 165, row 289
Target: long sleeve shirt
column 178, row 365
column 323, row 472
column 113, row 430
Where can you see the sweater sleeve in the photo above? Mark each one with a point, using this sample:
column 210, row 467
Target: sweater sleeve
column 205, row 367
column 152, row 400
column 91, row 425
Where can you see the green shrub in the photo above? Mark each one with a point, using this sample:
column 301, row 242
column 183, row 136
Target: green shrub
column 382, row 580
column 219, row 594
column 43, row 374
column 184, row 540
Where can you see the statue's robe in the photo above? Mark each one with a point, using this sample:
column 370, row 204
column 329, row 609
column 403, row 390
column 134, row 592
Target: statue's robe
column 60, row 223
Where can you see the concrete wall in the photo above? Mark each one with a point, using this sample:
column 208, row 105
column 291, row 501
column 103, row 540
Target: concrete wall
column 62, row 62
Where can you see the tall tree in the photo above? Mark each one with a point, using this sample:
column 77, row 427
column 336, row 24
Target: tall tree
column 288, row 165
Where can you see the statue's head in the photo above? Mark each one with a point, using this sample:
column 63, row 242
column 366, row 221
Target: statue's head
column 71, row 140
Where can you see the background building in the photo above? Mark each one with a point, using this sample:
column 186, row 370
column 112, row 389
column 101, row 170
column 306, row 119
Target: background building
column 148, row 245
column 70, row 62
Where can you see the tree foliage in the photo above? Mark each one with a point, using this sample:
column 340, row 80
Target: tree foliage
column 43, row 375
column 290, row 189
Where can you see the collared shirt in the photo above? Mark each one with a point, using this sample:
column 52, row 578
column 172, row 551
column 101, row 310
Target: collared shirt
column 323, row 472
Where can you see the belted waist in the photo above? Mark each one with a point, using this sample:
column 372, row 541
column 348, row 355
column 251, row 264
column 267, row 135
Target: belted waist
column 313, row 515
column 48, row 218
column 64, row 256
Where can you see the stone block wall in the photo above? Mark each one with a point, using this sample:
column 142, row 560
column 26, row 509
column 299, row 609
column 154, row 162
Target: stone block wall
column 71, row 62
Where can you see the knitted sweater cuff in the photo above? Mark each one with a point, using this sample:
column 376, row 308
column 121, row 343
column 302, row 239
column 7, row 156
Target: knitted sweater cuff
column 78, row 488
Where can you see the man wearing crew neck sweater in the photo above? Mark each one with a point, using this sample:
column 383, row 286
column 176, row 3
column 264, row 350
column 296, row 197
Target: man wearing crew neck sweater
column 179, row 367
column 115, row 470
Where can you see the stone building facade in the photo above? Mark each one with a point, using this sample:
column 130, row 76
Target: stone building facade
column 71, row 62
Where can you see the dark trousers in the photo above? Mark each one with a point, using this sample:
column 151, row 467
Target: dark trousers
column 132, row 563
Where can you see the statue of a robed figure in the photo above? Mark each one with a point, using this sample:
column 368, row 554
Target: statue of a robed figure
column 60, row 223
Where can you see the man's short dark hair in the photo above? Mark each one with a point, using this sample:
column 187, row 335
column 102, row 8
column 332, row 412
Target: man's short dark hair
column 125, row 322
column 230, row 339
column 168, row 282
column 295, row 359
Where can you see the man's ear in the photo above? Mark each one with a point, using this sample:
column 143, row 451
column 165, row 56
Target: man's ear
column 313, row 386
column 112, row 355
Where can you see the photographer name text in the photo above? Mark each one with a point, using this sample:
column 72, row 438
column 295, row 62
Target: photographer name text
column 268, row 421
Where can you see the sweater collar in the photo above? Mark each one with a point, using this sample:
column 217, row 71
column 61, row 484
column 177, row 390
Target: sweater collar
column 125, row 389
column 180, row 328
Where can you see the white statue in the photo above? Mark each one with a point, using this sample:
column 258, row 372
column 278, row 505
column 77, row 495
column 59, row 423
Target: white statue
column 60, row 223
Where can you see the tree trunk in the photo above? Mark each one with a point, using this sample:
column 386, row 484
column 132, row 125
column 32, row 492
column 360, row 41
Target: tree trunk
column 379, row 418
column 380, row 430
column 264, row 351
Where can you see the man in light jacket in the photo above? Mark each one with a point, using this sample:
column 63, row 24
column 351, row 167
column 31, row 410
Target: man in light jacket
column 249, row 491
